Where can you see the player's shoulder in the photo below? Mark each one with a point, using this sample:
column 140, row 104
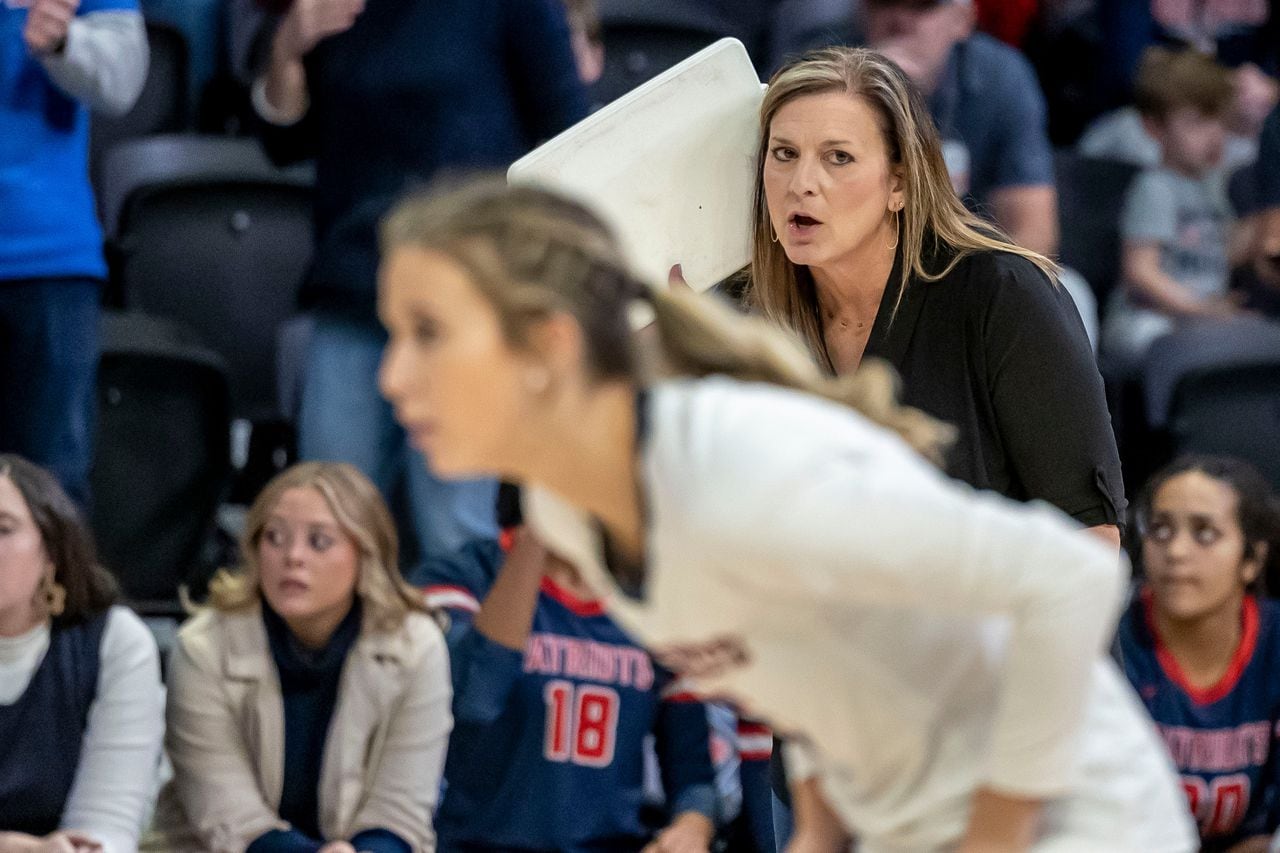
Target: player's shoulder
column 717, row 437
column 724, row 430
column 459, row 580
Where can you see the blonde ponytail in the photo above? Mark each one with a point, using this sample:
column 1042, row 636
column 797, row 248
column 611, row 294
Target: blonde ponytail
column 698, row 336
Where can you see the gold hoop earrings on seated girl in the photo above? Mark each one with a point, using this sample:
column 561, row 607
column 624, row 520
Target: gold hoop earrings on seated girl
column 897, row 227
column 53, row 594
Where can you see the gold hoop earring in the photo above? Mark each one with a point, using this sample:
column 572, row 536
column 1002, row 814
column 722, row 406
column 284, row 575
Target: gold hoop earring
column 55, row 596
column 773, row 234
column 897, row 231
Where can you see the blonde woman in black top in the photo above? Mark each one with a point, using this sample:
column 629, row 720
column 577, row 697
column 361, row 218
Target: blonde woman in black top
column 863, row 249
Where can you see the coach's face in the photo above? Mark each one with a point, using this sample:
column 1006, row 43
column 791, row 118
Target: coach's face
column 831, row 191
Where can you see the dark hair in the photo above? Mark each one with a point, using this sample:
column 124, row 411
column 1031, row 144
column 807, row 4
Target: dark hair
column 1257, row 509
column 67, row 541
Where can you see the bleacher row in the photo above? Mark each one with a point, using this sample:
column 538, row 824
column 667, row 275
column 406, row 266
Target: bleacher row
column 203, row 341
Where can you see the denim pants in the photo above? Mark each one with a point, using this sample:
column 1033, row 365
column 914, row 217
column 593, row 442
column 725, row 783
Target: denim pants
column 48, row 368
column 345, row 419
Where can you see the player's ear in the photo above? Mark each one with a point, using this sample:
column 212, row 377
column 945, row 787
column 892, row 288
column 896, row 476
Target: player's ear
column 1255, row 557
column 556, row 342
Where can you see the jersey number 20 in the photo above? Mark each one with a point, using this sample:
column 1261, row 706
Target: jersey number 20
column 1220, row 805
column 582, row 723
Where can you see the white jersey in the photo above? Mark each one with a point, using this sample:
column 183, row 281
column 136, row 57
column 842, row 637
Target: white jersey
column 915, row 638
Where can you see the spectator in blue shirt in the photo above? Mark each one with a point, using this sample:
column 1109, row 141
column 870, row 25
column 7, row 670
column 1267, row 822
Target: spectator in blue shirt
column 58, row 60
column 988, row 107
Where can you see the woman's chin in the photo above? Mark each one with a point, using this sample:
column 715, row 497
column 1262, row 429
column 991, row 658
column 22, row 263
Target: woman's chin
column 450, row 466
column 802, row 254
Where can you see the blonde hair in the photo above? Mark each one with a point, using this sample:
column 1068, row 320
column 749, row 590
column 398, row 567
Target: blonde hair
column 361, row 513
column 1168, row 79
column 532, row 253
column 932, row 216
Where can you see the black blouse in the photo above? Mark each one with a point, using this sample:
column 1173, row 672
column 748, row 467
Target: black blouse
column 998, row 351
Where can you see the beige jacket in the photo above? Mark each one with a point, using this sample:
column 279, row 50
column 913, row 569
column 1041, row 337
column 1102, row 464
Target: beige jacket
column 382, row 760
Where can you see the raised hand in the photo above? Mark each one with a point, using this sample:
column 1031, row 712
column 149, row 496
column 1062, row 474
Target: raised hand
column 47, row 25
column 308, row 22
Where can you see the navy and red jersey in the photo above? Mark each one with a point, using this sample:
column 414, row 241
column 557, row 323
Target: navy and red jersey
column 1222, row 738
column 548, row 746
column 755, row 747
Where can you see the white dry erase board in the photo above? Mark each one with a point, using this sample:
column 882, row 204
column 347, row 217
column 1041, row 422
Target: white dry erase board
column 670, row 166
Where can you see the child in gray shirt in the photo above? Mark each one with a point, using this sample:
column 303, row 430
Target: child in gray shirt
column 1174, row 228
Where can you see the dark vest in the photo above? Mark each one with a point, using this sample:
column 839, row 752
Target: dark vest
column 41, row 732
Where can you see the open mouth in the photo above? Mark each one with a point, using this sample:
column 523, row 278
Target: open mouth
column 803, row 222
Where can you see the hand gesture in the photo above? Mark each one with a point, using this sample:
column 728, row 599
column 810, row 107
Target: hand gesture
column 47, row 24
column 675, row 279
column 311, row 21
column 688, row 833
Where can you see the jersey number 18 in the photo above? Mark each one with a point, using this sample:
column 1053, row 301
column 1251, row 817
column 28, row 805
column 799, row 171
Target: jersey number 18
column 582, row 723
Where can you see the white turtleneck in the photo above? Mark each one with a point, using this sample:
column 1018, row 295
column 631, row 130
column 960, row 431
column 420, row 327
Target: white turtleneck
column 115, row 784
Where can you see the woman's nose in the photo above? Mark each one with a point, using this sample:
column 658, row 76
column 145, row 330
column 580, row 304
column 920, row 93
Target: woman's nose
column 295, row 550
column 804, row 178
column 388, row 372
column 1179, row 545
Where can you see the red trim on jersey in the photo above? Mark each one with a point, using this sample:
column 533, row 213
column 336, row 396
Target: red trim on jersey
column 683, row 696
column 1239, row 660
column 450, row 596
column 763, row 754
column 755, row 741
column 575, row 605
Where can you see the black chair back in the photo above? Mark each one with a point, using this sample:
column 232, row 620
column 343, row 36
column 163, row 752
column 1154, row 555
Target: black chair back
column 1091, row 195
column 162, row 463
column 1234, row 411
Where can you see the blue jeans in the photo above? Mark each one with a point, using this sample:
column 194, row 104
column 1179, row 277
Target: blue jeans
column 345, row 419
column 48, row 367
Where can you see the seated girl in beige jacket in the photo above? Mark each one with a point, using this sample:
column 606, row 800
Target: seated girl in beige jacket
column 309, row 703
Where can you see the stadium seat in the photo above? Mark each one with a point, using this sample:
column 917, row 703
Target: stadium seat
column 1090, row 197
column 162, row 463
column 643, row 39
column 205, row 231
column 1232, row 410
column 1199, row 348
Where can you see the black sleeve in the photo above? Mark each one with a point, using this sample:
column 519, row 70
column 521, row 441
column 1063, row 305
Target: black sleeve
column 1047, row 395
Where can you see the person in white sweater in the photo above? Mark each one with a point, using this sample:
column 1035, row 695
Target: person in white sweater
column 935, row 655
column 81, row 703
